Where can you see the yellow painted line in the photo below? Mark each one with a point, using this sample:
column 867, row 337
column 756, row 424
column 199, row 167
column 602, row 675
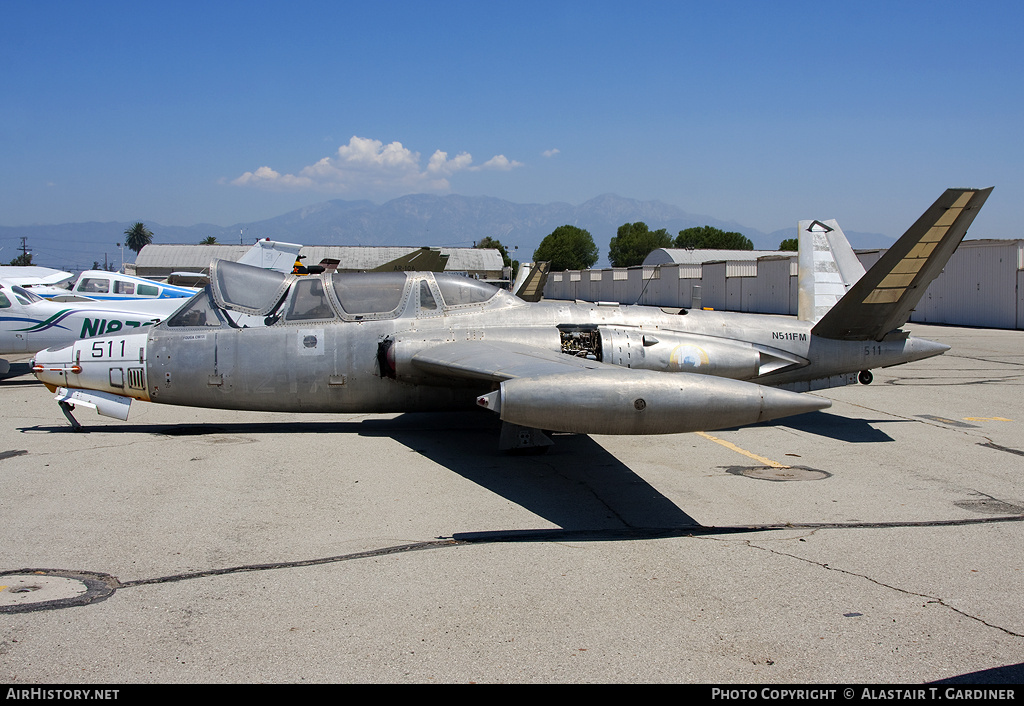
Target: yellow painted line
column 733, row 447
column 987, row 419
column 2, row 587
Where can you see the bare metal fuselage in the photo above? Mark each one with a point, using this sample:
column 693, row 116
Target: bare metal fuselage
column 371, row 365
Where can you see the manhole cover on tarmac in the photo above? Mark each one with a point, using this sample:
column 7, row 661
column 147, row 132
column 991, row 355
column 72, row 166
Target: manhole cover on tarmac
column 44, row 589
column 779, row 474
column 990, row 506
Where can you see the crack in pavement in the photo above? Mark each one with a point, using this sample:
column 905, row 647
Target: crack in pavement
column 930, row 599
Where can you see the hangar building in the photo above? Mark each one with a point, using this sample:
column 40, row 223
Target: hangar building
column 982, row 284
column 159, row 261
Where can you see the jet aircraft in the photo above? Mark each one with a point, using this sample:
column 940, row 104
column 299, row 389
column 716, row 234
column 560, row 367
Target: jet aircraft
column 400, row 341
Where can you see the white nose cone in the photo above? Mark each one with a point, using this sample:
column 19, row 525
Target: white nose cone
column 114, row 364
column 52, row 365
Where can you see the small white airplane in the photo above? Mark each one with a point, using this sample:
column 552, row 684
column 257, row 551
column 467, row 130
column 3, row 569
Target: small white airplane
column 100, row 285
column 29, row 323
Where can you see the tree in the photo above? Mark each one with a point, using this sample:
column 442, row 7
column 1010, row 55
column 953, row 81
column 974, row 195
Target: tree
column 209, row 240
column 489, row 243
column 23, row 260
column 567, row 248
column 634, row 242
column 138, row 237
column 790, row 244
column 711, row 238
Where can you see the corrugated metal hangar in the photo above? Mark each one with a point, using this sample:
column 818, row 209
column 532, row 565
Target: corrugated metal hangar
column 982, row 285
column 159, row 261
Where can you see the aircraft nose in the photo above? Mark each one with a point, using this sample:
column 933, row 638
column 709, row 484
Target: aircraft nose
column 52, row 366
column 113, row 364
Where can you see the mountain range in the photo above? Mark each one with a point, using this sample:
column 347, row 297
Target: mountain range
column 413, row 220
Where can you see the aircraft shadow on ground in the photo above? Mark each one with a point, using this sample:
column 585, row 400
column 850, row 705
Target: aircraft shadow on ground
column 836, row 427
column 577, row 485
column 1010, row 674
column 19, row 370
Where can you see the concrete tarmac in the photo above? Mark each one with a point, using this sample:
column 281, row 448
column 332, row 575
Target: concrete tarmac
column 877, row 541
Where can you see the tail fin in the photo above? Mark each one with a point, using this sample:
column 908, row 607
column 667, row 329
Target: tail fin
column 421, row 260
column 272, row 255
column 828, row 268
column 531, row 287
column 883, row 298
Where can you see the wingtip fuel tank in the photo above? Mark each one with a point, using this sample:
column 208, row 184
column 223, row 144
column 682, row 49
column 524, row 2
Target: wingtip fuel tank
column 644, row 402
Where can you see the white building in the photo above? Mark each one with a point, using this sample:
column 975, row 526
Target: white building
column 982, row 284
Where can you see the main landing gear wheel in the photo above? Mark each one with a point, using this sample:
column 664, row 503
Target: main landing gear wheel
column 865, row 377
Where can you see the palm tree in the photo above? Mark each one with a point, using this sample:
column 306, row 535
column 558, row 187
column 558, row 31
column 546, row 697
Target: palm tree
column 209, row 240
column 138, row 237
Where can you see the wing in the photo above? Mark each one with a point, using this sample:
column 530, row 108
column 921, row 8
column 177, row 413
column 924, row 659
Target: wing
column 481, row 360
column 544, row 389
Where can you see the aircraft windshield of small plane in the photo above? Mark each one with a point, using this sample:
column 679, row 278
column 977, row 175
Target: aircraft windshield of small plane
column 4, row 301
column 25, row 296
column 457, row 290
column 370, row 292
column 94, row 285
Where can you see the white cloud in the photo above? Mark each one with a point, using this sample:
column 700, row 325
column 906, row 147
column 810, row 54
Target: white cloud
column 501, row 162
column 550, row 153
column 265, row 176
column 440, row 164
column 365, row 165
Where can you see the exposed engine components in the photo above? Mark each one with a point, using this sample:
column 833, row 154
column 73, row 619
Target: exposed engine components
column 581, row 341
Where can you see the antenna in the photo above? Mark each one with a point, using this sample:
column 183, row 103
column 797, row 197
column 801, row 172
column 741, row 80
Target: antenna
column 656, row 268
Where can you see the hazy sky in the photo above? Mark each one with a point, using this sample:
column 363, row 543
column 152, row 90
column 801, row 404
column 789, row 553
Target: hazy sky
column 759, row 112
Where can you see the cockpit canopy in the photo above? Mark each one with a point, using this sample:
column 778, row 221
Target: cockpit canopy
column 19, row 294
column 254, row 292
column 250, row 290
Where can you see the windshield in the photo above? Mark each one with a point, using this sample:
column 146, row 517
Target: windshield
column 26, row 296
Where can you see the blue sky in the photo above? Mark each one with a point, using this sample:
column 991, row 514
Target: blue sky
column 759, row 112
